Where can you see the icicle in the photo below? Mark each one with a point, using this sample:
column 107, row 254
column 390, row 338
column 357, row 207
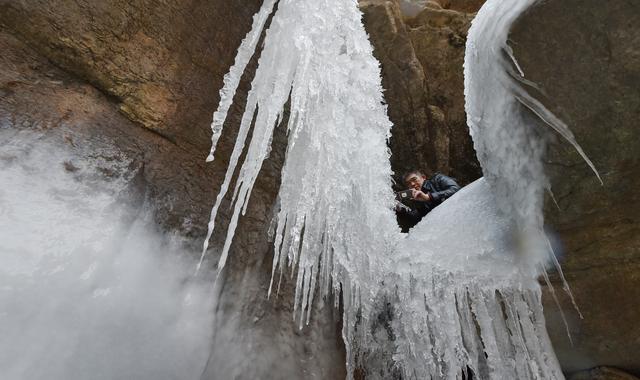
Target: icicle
column 558, row 125
column 232, row 78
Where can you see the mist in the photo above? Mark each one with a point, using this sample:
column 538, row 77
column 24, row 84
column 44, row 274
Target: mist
column 89, row 287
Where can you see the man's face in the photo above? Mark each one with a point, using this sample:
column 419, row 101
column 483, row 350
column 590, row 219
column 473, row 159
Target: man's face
column 414, row 181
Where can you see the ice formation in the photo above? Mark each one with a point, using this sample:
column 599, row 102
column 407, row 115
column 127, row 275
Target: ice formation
column 337, row 170
column 459, row 293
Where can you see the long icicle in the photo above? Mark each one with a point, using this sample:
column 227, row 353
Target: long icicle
column 227, row 92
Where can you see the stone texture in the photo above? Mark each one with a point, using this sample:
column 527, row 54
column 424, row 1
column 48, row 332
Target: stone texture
column 439, row 37
column 602, row 373
column 162, row 61
column 586, row 58
column 412, row 141
column 468, row 6
column 421, row 61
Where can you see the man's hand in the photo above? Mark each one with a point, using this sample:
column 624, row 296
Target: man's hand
column 399, row 207
column 420, row 196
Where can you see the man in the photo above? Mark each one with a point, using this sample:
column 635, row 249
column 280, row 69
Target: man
column 426, row 194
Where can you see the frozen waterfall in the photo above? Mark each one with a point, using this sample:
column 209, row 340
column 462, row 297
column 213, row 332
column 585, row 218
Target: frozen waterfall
column 460, row 292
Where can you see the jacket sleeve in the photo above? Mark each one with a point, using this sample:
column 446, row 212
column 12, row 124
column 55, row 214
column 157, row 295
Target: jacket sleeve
column 447, row 187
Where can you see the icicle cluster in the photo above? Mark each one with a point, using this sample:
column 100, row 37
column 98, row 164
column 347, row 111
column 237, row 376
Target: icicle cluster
column 455, row 295
column 336, row 177
column 461, row 300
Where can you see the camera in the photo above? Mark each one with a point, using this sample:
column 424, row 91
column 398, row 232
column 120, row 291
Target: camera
column 404, row 195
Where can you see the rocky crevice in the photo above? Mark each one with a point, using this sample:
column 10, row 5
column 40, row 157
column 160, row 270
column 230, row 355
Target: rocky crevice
column 421, row 59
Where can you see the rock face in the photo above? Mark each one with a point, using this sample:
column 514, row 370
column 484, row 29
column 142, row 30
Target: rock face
column 163, row 62
column 590, row 73
column 421, row 61
column 439, row 37
column 162, row 66
column 468, row 6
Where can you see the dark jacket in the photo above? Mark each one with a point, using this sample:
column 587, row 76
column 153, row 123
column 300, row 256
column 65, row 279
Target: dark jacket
column 439, row 187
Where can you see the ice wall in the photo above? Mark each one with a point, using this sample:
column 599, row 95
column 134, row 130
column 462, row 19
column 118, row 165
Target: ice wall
column 462, row 299
column 459, row 293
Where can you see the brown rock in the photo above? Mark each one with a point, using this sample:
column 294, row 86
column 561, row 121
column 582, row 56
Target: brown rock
column 163, row 61
column 586, row 58
column 468, row 6
column 602, row 373
column 425, row 96
column 439, row 38
column 404, row 83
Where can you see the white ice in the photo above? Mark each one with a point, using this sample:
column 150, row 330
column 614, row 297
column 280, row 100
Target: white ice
column 460, row 291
